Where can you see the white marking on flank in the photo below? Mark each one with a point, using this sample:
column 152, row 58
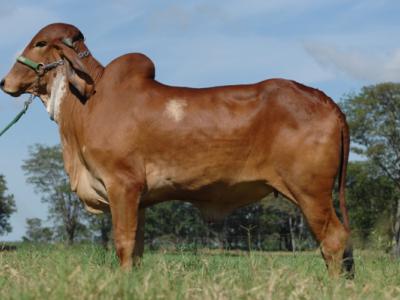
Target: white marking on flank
column 175, row 109
column 58, row 91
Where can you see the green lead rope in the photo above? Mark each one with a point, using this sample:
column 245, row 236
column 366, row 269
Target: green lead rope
column 17, row 117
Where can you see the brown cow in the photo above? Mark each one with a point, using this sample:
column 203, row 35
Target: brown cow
column 130, row 141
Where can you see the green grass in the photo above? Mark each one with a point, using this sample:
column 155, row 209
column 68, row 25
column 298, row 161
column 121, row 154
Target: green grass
column 89, row 272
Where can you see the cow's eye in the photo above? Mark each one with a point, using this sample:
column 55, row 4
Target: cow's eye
column 41, row 44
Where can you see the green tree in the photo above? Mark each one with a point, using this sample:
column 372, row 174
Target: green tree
column 371, row 199
column 35, row 232
column 374, row 119
column 272, row 224
column 7, row 207
column 174, row 222
column 45, row 171
column 100, row 227
column 286, row 223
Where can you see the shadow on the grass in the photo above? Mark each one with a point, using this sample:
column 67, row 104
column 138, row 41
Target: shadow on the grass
column 7, row 248
column 236, row 253
column 206, row 252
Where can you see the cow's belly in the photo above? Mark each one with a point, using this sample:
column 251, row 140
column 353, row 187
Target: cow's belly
column 92, row 192
column 220, row 200
column 215, row 200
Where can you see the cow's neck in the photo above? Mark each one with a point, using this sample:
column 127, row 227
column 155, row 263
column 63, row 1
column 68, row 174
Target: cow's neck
column 72, row 121
column 72, row 109
column 94, row 68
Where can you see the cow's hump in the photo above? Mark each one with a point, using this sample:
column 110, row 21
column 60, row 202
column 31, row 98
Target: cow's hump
column 132, row 65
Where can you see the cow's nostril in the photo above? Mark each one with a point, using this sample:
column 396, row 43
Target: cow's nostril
column 2, row 82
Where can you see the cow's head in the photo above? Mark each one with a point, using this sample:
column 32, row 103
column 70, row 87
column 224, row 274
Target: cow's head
column 35, row 73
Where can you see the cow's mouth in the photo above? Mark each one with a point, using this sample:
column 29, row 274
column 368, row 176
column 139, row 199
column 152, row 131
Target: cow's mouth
column 14, row 90
column 5, row 90
column 13, row 94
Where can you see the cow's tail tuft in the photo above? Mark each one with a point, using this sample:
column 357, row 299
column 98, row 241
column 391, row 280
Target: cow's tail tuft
column 345, row 149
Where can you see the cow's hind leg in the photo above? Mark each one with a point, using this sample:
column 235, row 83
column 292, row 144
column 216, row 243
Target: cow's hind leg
column 329, row 232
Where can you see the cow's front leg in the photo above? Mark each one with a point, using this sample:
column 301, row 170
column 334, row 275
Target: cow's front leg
column 124, row 203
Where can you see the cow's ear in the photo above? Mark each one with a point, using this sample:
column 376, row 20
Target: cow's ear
column 78, row 75
column 81, row 84
column 71, row 55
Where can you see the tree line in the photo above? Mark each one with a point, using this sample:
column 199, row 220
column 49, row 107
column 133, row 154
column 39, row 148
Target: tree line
column 373, row 190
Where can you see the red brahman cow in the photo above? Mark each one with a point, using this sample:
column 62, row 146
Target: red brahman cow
column 130, row 142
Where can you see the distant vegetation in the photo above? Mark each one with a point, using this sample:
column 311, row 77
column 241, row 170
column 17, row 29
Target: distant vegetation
column 374, row 119
column 7, row 207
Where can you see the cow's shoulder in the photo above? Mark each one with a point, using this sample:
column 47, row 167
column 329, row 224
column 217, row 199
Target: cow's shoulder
column 131, row 65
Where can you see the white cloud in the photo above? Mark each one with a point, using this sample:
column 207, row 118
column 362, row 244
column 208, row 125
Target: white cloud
column 359, row 65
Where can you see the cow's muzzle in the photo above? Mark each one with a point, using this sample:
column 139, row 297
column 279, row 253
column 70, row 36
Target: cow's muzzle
column 4, row 89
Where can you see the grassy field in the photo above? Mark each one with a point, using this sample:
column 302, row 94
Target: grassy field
column 89, row 272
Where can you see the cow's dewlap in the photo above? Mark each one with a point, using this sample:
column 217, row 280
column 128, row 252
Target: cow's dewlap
column 58, row 91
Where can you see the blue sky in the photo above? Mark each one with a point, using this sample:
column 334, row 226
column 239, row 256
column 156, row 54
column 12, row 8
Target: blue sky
column 337, row 46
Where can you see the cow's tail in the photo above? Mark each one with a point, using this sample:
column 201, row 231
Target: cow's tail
column 348, row 261
column 345, row 149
